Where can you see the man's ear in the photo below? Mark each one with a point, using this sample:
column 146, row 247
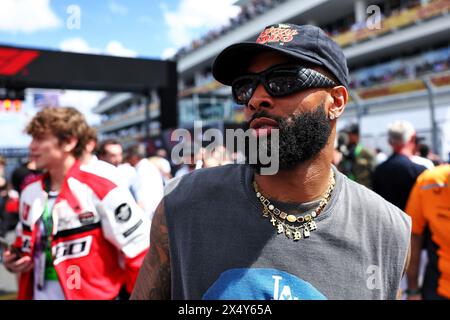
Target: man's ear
column 339, row 97
column 70, row 144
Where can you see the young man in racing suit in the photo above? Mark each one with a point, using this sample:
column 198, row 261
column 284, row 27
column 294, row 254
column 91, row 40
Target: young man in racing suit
column 81, row 234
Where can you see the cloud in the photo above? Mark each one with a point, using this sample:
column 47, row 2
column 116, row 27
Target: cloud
column 117, row 8
column 77, row 45
column 194, row 17
column 113, row 48
column 168, row 53
column 84, row 101
column 27, row 16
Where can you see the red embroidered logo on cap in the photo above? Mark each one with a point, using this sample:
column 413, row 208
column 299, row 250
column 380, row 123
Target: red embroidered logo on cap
column 280, row 33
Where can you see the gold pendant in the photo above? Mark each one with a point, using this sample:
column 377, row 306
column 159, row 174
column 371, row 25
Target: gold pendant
column 291, row 218
column 280, row 228
column 278, row 218
column 273, row 220
column 306, row 232
column 288, row 233
column 297, row 235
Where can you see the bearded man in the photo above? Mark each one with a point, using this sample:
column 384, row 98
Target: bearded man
column 304, row 232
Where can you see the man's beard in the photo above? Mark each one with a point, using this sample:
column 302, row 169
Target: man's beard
column 301, row 137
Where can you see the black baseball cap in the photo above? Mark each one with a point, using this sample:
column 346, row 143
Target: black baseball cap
column 304, row 42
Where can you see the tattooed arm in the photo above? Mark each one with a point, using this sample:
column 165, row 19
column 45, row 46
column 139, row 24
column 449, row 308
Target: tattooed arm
column 153, row 282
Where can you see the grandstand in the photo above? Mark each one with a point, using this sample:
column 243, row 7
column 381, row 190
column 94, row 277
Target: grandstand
column 396, row 68
column 399, row 63
column 123, row 117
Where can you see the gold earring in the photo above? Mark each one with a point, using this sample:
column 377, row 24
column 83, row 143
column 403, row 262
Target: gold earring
column 332, row 116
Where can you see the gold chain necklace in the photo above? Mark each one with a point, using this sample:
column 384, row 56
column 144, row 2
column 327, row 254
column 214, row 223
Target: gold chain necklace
column 278, row 218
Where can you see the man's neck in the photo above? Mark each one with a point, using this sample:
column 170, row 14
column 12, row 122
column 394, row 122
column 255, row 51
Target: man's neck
column 404, row 151
column 306, row 182
column 86, row 158
column 58, row 173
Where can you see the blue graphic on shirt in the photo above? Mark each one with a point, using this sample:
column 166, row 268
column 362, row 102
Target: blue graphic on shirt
column 261, row 284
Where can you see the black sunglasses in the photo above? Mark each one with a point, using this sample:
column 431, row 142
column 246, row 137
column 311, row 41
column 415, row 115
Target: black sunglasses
column 280, row 80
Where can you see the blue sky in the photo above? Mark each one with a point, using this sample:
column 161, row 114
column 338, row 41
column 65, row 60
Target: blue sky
column 144, row 28
column 133, row 28
column 136, row 24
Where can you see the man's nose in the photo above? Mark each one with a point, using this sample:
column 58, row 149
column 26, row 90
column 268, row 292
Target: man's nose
column 260, row 99
column 32, row 144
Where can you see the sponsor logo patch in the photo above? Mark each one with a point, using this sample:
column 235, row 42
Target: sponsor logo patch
column 71, row 249
column 86, row 217
column 123, row 212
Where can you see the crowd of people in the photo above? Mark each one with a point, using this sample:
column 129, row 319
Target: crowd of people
column 249, row 11
column 409, row 68
column 361, row 164
column 412, row 68
column 255, row 8
column 414, row 180
column 393, row 177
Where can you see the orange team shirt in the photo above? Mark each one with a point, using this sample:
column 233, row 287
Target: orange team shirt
column 429, row 206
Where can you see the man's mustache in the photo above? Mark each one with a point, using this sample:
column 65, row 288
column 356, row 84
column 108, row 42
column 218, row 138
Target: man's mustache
column 262, row 114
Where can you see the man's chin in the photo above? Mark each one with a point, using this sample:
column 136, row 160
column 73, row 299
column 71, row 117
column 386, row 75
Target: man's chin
column 41, row 165
column 41, row 168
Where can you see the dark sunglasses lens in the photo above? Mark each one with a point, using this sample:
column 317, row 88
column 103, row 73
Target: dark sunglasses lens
column 243, row 90
column 280, row 85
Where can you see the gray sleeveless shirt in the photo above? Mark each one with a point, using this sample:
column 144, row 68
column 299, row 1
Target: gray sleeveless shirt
column 221, row 247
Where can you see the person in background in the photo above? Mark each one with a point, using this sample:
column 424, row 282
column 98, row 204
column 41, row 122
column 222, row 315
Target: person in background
column 237, row 157
column 9, row 210
column 3, row 197
column 163, row 166
column 218, row 157
column 424, row 151
column 24, row 174
column 421, row 154
column 394, row 178
column 428, row 206
column 357, row 162
column 192, row 159
column 3, row 181
column 162, row 153
column 111, row 151
column 380, row 156
column 88, row 155
column 76, row 222
column 21, row 176
column 147, row 185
